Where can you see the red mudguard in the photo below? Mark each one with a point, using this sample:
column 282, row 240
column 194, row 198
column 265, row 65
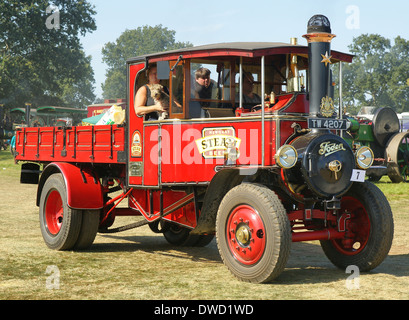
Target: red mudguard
column 82, row 185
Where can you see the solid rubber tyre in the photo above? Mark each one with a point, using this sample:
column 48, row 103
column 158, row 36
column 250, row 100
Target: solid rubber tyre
column 253, row 233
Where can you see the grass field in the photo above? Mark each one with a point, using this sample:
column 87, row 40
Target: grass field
column 138, row 264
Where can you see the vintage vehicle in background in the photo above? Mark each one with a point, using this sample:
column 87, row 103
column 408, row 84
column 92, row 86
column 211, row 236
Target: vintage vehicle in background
column 37, row 117
column 59, row 116
column 382, row 130
column 258, row 176
column 45, row 116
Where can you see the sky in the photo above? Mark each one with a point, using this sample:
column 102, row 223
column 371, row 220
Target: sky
column 214, row 21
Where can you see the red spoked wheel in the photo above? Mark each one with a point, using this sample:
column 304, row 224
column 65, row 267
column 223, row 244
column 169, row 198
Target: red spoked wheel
column 245, row 232
column 253, row 233
column 369, row 231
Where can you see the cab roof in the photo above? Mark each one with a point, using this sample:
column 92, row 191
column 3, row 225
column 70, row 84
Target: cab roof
column 238, row 49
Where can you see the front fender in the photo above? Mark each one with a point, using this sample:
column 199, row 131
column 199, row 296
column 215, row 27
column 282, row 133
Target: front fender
column 82, row 184
column 221, row 183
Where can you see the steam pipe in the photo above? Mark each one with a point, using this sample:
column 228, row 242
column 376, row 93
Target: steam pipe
column 294, row 68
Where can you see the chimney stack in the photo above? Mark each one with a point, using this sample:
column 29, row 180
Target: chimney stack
column 319, row 39
column 28, row 109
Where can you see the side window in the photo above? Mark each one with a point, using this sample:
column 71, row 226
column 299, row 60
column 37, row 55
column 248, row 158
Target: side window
column 140, row 79
column 251, row 86
column 177, row 81
column 211, row 83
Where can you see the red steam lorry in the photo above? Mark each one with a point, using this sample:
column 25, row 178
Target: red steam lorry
column 258, row 175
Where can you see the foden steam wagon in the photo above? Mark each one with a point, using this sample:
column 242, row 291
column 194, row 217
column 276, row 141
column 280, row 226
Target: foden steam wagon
column 242, row 142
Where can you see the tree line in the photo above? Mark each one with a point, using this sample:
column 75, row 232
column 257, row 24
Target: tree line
column 42, row 60
column 378, row 75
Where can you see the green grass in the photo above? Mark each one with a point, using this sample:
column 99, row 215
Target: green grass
column 8, row 168
column 393, row 191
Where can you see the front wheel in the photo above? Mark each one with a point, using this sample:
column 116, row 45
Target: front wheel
column 369, row 229
column 253, row 233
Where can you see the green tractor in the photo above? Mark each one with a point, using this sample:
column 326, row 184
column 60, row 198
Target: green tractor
column 379, row 129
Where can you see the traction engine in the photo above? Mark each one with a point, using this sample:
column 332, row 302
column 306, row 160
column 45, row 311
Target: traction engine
column 389, row 145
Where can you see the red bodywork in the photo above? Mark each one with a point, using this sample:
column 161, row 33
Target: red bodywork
column 87, row 144
column 159, row 164
column 83, row 187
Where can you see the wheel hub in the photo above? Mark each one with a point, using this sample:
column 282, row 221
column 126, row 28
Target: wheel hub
column 243, row 235
column 54, row 212
column 246, row 235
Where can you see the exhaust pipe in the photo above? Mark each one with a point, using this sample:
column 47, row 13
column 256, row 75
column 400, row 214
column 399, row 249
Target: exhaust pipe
column 319, row 39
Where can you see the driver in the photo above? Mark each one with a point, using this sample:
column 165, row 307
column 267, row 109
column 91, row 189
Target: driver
column 249, row 97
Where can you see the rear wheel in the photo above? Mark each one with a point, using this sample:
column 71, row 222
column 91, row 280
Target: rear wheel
column 89, row 229
column 369, row 229
column 253, row 233
column 60, row 225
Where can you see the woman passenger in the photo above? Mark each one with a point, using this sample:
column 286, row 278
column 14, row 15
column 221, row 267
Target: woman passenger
column 144, row 103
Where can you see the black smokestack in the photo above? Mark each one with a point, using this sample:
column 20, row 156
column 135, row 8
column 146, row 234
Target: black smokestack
column 319, row 59
column 28, row 108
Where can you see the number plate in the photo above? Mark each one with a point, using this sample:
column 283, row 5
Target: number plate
column 331, row 124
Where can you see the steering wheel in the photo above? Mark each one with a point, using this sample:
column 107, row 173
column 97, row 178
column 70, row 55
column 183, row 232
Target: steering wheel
column 259, row 106
column 256, row 108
